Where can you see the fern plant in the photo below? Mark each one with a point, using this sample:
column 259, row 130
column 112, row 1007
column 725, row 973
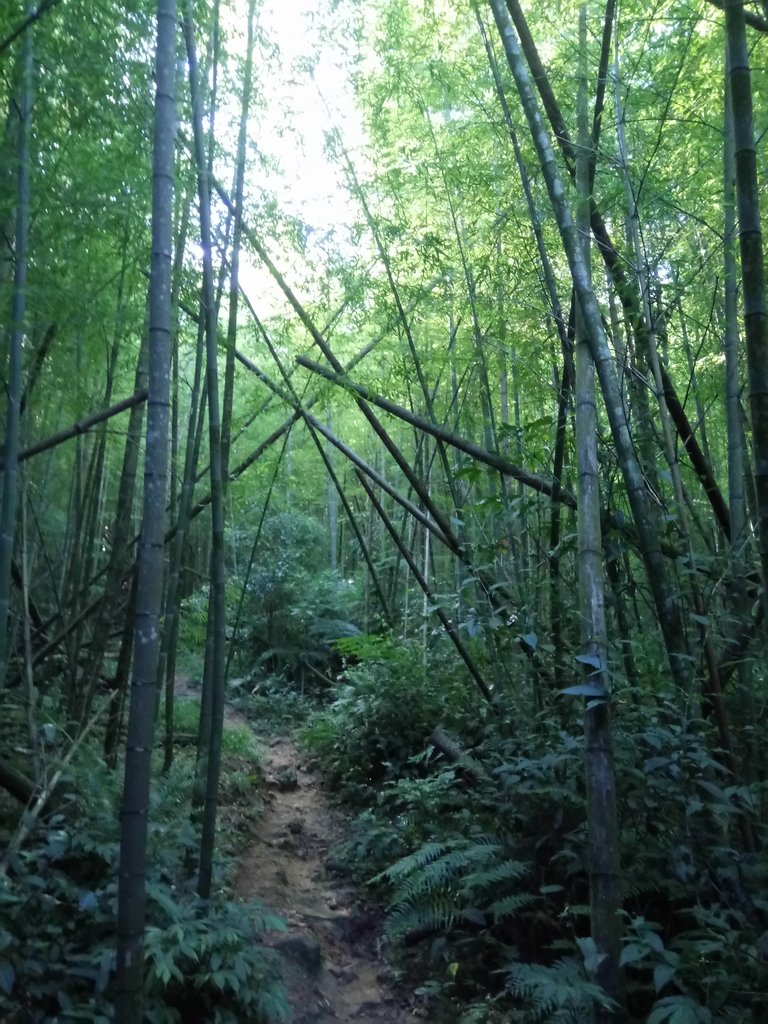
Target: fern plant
column 557, row 993
column 457, row 882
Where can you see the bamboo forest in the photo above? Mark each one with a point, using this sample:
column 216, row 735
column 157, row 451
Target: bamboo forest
column 384, row 514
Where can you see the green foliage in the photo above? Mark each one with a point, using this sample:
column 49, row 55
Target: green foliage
column 193, row 618
column 295, row 605
column 409, row 812
column 237, row 739
column 56, row 904
column 557, row 993
column 382, row 715
column 452, row 229
column 206, row 963
column 272, row 705
column 57, row 907
column 469, row 881
column 679, row 1010
column 374, row 843
column 492, row 871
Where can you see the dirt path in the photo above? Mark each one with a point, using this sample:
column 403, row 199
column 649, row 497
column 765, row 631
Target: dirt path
column 333, row 966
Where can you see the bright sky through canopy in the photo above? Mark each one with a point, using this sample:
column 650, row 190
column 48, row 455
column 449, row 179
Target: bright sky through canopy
column 291, row 130
column 310, row 185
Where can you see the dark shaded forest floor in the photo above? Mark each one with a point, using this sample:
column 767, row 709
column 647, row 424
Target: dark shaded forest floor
column 333, row 965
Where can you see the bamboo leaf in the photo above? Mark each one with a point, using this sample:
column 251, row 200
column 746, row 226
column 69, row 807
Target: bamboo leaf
column 585, row 690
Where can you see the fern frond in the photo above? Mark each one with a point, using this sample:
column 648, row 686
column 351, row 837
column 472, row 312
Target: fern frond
column 509, row 905
column 641, row 886
column 444, row 884
column 406, row 918
column 507, row 871
column 436, row 866
column 439, row 874
column 555, row 993
column 426, row 853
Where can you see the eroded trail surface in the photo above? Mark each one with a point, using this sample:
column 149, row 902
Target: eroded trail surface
column 332, row 962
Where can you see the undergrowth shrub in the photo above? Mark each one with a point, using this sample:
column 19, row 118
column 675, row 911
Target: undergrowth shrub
column 382, row 714
column 294, row 606
column 428, row 804
column 58, row 909
column 272, row 704
column 205, row 964
column 486, row 875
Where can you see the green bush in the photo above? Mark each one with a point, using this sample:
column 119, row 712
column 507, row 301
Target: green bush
column 382, row 715
column 295, row 606
column 205, row 963
column 273, row 705
column 447, row 853
column 58, row 907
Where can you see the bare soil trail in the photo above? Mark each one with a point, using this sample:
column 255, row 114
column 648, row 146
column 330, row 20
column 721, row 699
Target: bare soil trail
column 333, row 966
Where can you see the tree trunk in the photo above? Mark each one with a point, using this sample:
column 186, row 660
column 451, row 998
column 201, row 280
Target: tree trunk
column 144, row 688
column 237, row 234
column 15, row 341
column 217, row 609
column 752, row 265
column 602, row 823
column 169, row 645
column 645, row 517
column 736, row 468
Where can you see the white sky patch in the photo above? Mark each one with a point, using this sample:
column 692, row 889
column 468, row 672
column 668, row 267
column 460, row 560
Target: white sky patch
column 293, row 130
column 310, row 182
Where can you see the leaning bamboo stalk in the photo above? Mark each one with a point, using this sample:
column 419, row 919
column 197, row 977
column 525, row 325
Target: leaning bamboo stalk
column 81, row 427
column 667, row 607
column 325, row 348
column 497, row 462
